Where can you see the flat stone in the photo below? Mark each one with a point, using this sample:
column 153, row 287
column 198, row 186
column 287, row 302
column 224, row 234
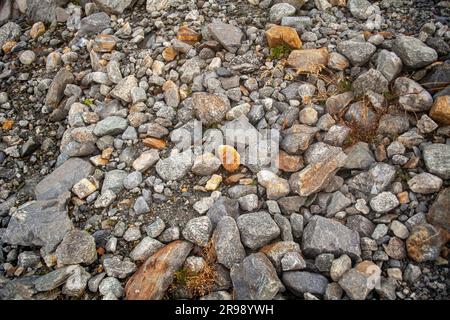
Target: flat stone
column 227, row 243
column 117, row 268
column 154, row 277
column 55, row 92
column 145, row 249
column 425, row 183
column 112, row 125
column 198, row 230
column 439, row 213
column 122, row 90
column 228, row 35
column 63, row 178
column 209, row 108
column 440, row 111
column 308, row 60
column 412, row 96
column 300, row 282
column 281, row 35
column 413, row 52
column 113, row 6
column 77, row 247
column 437, row 159
column 280, row 10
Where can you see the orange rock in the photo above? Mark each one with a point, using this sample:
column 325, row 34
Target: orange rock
column 424, row 243
column 440, row 111
column 100, row 251
column 104, row 43
column 233, row 179
column 37, row 30
column 230, row 157
column 7, row 47
column 280, row 35
column 7, row 124
column 403, row 197
column 169, row 54
column 308, row 60
column 154, row 143
column 154, row 277
column 188, row 35
column 289, row 163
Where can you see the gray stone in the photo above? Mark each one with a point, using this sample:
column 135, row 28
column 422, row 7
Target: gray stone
column 337, row 203
column 123, row 89
column 384, row 202
column 94, row 24
column 132, row 180
column 112, row 125
column 229, row 36
column 205, row 164
column 377, row 179
column 113, row 6
column 9, row 31
column 359, row 156
column 39, row 223
column 55, row 92
column 412, row 96
column 280, row 10
column 175, row 166
column 111, row 285
column 361, row 9
column 114, row 180
column 117, row 268
column 140, row 206
column 146, row 248
column 76, row 283
column 300, row 282
column 425, row 183
column 155, row 228
column 255, row 278
column 54, row 279
column 340, row 266
column 323, row 235
column 223, row 207
column 227, row 243
column 413, row 52
column 389, row 64
column 437, row 159
column 63, row 178
column 296, row 225
column 77, row 247
column 292, row 261
column 358, row 52
column 371, row 80
column 257, row 229
column 360, row 224
column 198, row 230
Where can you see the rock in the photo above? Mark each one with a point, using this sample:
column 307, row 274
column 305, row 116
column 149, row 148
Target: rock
column 56, row 90
column 114, row 181
column 395, row 248
column 439, row 213
column 77, row 247
column 227, row 243
column 132, row 180
column 374, row 181
column 205, row 164
column 157, row 5
column 336, row 103
column 154, row 277
column 9, row 31
column 104, row 43
column 54, row 279
column 229, row 157
column 113, row 6
column 361, row 9
column 308, row 60
column 255, row 278
column 41, row 223
column 440, row 111
column 277, row 250
column 117, row 268
column 176, row 166
column 146, row 248
column 257, row 229
column 63, row 178
column 140, row 206
column 298, row 138
column 384, row 202
column 85, row 187
column 413, row 52
column 412, row 96
column 359, row 156
column 360, row 224
column 76, row 283
column 188, row 35
column 308, row 116
column 389, row 64
column 426, row 124
column 300, row 282
column 228, row 35
column 424, row 243
column 171, row 94
column 425, row 183
column 323, row 235
column 223, row 207
column 112, row 125
column 279, row 35
column 412, row 273
column 337, row 203
column 123, row 89
column 209, row 108
column 355, row 284
column 316, row 175
column 280, row 10
column 289, row 163
column 358, row 52
column 292, row 261
column 198, row 230
column 276, row 187
column 146, row 160
column 27, row 57
column 110, row 286
column 94, row 24
column 340, row 266
column 437, row 159
column 399, row 229
column 371, row 80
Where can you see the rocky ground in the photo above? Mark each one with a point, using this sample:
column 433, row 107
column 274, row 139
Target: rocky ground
column 108, row 192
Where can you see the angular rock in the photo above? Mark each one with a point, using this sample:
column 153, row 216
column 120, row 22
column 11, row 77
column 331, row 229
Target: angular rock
column 146, row 248
column 228, row 35
column 358, row 52
column 122, row 90
column 300, row 282
column 425, row 183
column 377, row 179
column 56, row 90
column 413, row 52
column 437, row 159
column 209, row 108
column 439, row 213
column 323, row 235
column 198, row 230
column 176, row 166
column 113, row 6
column 279, row 35
column 227, row 243
column 384, row 202
column 77, row 247
column 308, row 60
column 112, row 126
column 412, row 96
column 440, row 111
column 257, row 229
column 424, row 243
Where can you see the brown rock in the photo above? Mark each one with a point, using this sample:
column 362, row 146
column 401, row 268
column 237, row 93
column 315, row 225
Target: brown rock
column 233, row 179
column 316, row 175
column 424, row 243
column 280, row 35
column 209, row 108
column 289, row 163
column 440, row 111
column 308, row 60
column 230, row 157
column 7, row 47
column 56, row 90
column 37, row 30
column 188, row 35
column 169, row 54
column 395, row 248
column 153, row 278
column 104, row 43
column 341, row 3
column 154, row 143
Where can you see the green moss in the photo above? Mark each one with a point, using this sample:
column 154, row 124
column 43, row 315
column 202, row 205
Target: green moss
column 181, row 277
column 345, row 86
column 280, row 51
column 88, row 102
